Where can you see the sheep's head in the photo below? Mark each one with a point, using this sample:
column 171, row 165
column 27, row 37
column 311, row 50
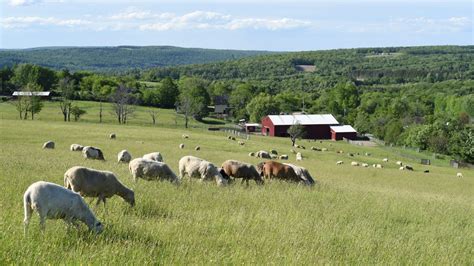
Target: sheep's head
column 130, row 198
column 98, row 227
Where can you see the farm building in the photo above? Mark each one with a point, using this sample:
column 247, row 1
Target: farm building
column 252, row 127
column 42, row 94
column 339, row 132
column 317, row 126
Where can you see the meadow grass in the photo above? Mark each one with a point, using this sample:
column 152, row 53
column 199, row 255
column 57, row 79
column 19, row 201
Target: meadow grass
column 354, row 215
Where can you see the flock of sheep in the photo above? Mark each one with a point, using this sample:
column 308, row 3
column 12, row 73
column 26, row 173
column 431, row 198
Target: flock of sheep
column 53, row 201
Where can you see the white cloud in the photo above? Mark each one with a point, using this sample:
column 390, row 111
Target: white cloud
column 25, row 22
column 23, row 2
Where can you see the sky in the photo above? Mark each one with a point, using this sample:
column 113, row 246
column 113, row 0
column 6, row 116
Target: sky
column 276, row 25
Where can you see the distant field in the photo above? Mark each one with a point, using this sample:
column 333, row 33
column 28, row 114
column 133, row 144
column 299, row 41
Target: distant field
column 354, row 215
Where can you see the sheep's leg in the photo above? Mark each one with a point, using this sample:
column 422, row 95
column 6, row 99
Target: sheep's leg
column 26, row 221
column 42, row 222
column 99, row 199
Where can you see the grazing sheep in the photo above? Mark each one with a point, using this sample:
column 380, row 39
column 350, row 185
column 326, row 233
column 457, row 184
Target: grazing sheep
column 198, row 168
column 350, row 154
column 252, row 154
column 426, row 171
column 112, row 136
column 365, row 165
column 273, row 156
column 339, row 162
column 303, row 174
column 340, row 151
column 299, row 156
column 385, row 160
column 241, row 143
column 181, row 146
column 151, row 170
column 76, row 147
column 242, row 170
column 230, row 138
column 154, row 156
column 354, row 163
column 408, row 167
column 52, row 201
column 124, row 156
column 284, row 157
column 263, row 154
column 197, row 148
column 401, row 168
column 48, row 145
column 315, row 148
column 185, row 136
column 367, row 154
column 378, row 166
column 324, row 149
column 94, row 183
column 90, row 152
column 459, row 175
column 399, row 163
column 273, row 151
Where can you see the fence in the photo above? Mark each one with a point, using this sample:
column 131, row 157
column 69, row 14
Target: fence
column 237, row 133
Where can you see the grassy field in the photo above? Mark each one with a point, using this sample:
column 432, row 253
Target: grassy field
column 354, row 215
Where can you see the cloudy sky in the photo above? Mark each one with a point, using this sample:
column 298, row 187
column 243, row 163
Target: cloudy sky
column 247, row 24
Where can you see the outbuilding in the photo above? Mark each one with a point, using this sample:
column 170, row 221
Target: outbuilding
column 252, row 127
column 317, row 125
column 340, row 132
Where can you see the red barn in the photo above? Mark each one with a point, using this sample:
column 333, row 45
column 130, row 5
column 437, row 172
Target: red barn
column 339, row 132
column 317, row 126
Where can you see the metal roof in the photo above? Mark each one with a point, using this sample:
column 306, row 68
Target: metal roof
column 31, row 93
column 252, row 125
column 343, row 129
column 288, row 120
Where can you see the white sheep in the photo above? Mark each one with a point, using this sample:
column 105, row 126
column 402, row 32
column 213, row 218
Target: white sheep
column 299, row 156
column 284, row 157
column 181, row 146
column 124, row 156
column 324, row 149
column 399, row 163
column 90, row 152
column 52, row 201
column 112, row 136
column 241, row 143
column 379, row 166
column 385, row 160
column 48, row 145
column 354, row 163
column 76, row 147
column 401, row 168
column 273, row 151
column 197, row 148
column 459, row 175
column 94, row 183
column 185, row 136
column 365, row 165
column 252, row 154
column 154, row 156
column 303, row 174
column 339, row 162
column 273, row 156
column 151, row 170
column 198, row 168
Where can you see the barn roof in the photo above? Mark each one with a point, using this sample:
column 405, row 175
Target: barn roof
column 31, row 93
column 288, row 120
column 343, row 129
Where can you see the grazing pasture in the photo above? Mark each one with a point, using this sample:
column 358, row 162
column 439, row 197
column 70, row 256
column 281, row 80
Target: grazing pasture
column 352, row 215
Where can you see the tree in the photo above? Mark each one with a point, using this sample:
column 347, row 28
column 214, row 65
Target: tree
column 153, row 114
column 122, row 103
column 77, row 112
column 393, row 131
column 193, row 98
column 22, row 105
column 168, row 93
column 28, row 73
column 66, row 90
column 296, row 131
column 239, row 98
column 260, row 106
column 29, row 103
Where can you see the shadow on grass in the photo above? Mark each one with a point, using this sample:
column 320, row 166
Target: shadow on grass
column 208, row 121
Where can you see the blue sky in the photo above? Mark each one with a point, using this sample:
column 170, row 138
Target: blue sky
column 250, row 25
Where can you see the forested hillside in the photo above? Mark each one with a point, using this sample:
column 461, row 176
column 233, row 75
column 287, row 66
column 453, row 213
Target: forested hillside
column 420, row 97
column 117, row 59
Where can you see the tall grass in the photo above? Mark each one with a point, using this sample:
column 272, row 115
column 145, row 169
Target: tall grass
column 354, row 215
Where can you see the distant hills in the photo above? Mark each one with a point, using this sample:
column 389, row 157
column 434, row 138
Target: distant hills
column 119, row 58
